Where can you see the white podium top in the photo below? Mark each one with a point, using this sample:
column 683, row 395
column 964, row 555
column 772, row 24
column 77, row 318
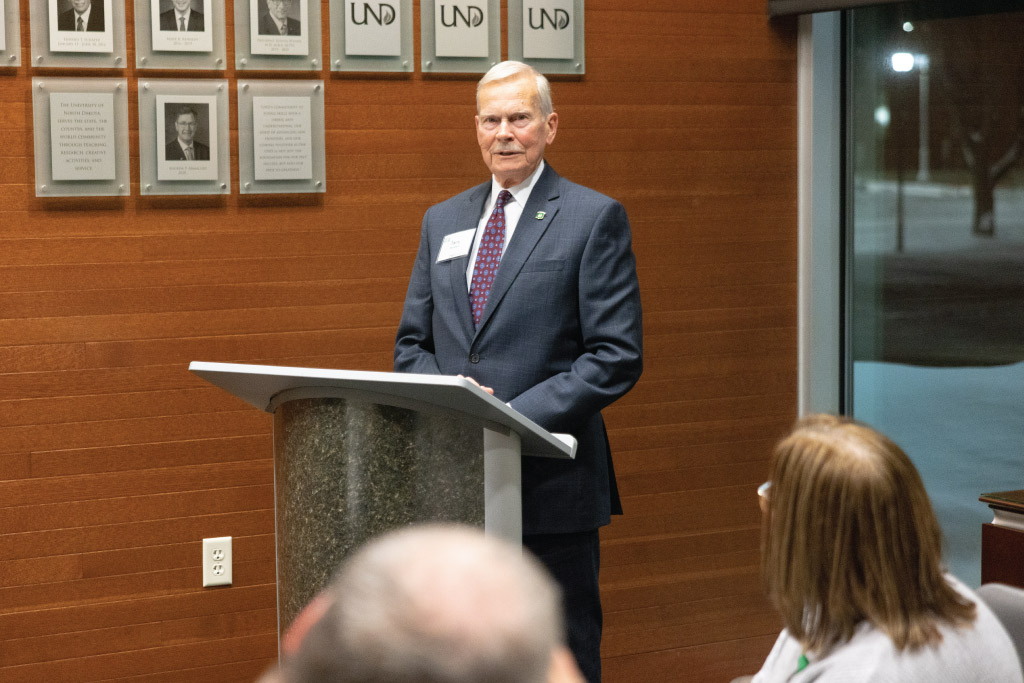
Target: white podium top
column 261, row 385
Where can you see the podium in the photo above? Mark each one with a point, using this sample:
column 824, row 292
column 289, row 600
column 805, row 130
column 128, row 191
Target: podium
column 357, row 454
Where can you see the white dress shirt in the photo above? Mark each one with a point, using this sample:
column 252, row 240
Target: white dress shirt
column 513, row 212
column 84, row 16
column 185, row 147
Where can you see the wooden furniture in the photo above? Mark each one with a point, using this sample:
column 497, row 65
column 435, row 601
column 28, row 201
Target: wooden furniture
column 1002, row 541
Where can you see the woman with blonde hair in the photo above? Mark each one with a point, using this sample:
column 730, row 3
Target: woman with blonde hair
column 851, row 555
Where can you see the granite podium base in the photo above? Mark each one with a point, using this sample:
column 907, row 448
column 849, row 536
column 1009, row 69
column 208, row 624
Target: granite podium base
column 346, row 470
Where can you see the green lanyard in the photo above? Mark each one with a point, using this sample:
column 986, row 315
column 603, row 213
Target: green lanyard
column 801, row 663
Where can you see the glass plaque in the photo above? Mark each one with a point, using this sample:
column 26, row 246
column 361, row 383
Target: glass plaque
column 277, row 35
column 371, row 36
column 547, row 35
column 459, row 36
column 10, row 33
column 86, row 34
column 180, row 34
column 81, row 136
column 183, row 137
column 281, row 137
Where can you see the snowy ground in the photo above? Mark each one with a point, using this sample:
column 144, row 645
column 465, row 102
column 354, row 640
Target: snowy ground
column 963, row 428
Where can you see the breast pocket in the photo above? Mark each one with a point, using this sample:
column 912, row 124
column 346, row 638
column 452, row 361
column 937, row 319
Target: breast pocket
column 543, row 265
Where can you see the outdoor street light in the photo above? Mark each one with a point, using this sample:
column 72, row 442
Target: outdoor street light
column 903, row 62
column 882, row 116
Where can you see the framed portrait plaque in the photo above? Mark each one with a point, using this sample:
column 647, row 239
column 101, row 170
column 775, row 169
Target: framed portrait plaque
column 277, row 35
column 10, row 33
column 547, row 35
column 183, row 137
column 281, row 137
column 81, row 136
column 180, row 34
column 186, row 140
column 371, row 36
column 78, row 33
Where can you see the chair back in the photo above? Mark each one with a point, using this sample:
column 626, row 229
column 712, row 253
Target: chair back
column 1008, row 604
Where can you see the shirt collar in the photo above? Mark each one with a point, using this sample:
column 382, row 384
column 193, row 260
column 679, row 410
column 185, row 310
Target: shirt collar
column 520, row 192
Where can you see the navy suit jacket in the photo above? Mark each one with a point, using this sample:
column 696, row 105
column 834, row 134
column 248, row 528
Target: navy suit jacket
column 169, row 23
column 559, row 340
column 66, row 20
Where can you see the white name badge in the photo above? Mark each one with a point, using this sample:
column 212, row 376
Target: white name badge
column 455, row 245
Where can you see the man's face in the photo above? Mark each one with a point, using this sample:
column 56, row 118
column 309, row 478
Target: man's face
column 181, row 5
column 511, row 130
column 279, row 8
column 186, row 125
column 81, row 5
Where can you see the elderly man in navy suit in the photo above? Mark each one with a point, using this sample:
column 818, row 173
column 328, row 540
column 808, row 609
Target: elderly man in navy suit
column 527, row 284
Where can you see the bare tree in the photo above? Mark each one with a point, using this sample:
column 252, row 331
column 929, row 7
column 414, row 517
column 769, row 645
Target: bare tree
column 982, row 94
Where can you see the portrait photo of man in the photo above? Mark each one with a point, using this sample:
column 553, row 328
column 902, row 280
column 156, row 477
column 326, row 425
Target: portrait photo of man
column 278, row 19
column 80, row 15
column 182, row 17
column 186, row 123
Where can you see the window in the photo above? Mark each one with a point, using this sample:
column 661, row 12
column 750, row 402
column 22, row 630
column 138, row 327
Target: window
column 935, row 200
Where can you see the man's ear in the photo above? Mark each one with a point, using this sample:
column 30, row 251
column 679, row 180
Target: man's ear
column 552, row 127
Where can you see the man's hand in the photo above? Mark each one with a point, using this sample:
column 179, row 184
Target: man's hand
column 487, row 389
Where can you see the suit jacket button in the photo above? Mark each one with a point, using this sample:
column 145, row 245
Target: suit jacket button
column 474, row 358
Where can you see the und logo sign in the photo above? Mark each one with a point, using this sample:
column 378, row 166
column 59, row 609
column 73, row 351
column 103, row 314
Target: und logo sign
column 461, row 29
column 372, row 29
column 557, row 19
column 549, row 28
column 469, row 16
column 383, row 15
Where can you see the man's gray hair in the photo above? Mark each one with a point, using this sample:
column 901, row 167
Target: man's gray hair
column 511, row 69
column 434, row 604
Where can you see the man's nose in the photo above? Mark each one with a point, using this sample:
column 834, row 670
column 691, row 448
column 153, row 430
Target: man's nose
column 505, row 128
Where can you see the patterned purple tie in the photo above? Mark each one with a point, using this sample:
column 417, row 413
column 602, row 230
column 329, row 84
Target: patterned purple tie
column 488, row 256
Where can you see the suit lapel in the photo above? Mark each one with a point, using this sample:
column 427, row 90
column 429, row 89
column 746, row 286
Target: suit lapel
column 537, row 215
column 467, row 219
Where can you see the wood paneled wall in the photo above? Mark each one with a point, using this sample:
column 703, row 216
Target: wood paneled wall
column 115, row 461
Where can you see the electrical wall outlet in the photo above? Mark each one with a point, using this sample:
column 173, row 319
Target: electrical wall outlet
column 217, row 561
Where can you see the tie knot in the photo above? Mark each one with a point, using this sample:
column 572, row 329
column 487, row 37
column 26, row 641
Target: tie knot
column 503, row 198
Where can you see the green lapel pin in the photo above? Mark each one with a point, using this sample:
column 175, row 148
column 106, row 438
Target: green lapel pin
column 540, row 215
